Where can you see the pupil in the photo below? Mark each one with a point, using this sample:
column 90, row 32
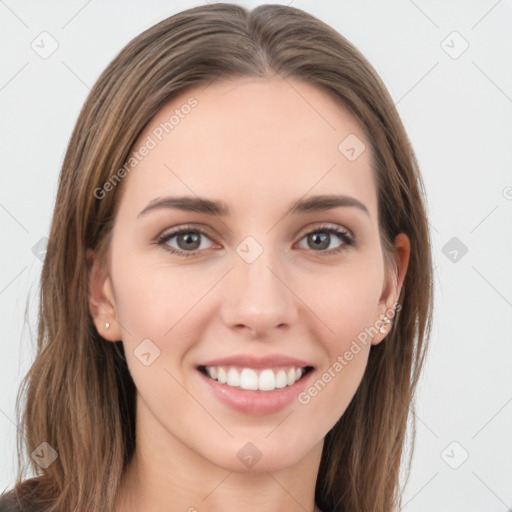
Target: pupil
column 324, row 237
column 190, row 238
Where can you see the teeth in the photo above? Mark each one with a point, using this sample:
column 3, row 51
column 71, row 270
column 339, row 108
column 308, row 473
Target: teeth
column 281, row 379
column 233, row 378
column 222, row 377
column 267, row 380
column 248, row 379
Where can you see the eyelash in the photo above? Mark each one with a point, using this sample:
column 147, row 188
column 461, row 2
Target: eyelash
column 343, row 234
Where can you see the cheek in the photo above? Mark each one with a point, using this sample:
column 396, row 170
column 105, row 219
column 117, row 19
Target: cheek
column 346, row 302
column 161, row 304
column 153, row 299
column 346, row 307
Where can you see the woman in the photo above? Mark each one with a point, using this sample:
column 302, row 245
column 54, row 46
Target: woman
column 271, row 364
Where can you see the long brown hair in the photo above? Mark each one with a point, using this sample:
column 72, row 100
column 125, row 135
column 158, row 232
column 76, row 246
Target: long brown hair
column 78, row 395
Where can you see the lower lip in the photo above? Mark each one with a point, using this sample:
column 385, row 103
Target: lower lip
column 254, row 401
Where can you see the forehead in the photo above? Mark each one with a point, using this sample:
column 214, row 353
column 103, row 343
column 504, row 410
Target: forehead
column 249, row 141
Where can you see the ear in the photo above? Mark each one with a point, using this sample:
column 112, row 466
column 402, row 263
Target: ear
column 395, row 275
column 101, row 299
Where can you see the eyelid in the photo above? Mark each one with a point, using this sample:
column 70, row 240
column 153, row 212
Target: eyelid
column 344, row 234
column 304, row 231
column 314, row 227
column 334, row 229
column 185, row 228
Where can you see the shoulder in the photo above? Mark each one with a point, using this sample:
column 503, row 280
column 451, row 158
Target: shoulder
column 9, row 503
column 18, row 499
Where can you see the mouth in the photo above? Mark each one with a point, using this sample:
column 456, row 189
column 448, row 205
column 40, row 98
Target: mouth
column 256, row 379
column 256, row 385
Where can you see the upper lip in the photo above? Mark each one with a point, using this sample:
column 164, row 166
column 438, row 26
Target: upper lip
column 249, row 361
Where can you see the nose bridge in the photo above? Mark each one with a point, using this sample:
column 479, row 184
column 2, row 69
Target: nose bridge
column 257, row 295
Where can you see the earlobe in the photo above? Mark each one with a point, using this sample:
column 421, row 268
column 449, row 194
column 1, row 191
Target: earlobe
column 392, row 287
column 101, row 299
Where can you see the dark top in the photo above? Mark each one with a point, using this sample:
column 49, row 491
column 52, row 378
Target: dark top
column 9, row 503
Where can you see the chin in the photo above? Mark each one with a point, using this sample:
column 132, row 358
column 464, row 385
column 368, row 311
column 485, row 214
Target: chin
column 258, row 457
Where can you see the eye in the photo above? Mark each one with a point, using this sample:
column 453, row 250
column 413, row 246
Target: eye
column 322, row 237
column 188, row 240
column 189, row 243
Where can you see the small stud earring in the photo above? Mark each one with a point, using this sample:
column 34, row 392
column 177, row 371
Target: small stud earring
column 107, row 325
column 385, row 321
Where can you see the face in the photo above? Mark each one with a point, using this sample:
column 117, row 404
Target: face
column 285, row 293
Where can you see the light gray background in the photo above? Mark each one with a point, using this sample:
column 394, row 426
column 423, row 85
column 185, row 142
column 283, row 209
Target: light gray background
column 457, row 112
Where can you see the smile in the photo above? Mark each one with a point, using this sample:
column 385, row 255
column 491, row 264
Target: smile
column 262, row 379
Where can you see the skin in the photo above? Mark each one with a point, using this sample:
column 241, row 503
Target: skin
column 257, row 145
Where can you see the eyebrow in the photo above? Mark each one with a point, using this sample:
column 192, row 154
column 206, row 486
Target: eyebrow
column 219, row 208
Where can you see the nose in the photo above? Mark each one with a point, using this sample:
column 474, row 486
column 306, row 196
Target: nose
column 258, row 297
